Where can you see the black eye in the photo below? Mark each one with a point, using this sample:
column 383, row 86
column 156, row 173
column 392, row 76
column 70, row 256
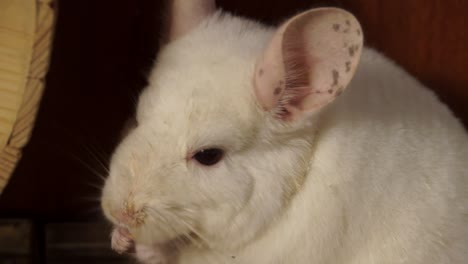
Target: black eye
column 209, row 157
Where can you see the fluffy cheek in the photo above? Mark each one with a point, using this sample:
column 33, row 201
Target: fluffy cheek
column 230, row 191
column 166, row 219
column 159, row 232
column 108, row 199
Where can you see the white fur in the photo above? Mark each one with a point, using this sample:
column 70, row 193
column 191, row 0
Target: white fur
column 379, row 176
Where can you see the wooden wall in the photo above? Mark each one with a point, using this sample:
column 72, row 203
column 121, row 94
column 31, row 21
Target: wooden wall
column 103, row 49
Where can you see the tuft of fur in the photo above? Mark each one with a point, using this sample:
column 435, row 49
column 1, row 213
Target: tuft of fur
column 377, row 176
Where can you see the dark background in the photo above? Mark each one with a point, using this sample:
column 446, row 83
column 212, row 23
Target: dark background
column 103, row 50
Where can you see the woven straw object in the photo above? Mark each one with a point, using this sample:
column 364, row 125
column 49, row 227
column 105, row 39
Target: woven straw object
column 26, row 28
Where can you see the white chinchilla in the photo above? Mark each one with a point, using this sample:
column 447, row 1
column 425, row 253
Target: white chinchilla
column 248, row 149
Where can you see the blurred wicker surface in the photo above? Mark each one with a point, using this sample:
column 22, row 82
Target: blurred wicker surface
column 25, row 44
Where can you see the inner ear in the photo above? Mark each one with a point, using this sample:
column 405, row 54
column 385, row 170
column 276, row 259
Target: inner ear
column 309, row 62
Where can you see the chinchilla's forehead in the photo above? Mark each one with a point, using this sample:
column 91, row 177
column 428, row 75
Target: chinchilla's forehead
column 202, row 83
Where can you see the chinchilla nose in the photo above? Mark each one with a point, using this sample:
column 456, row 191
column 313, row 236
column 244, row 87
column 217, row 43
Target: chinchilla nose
column 129, row 216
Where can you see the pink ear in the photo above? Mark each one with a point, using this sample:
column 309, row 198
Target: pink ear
column 308, row 63
column 187, row 14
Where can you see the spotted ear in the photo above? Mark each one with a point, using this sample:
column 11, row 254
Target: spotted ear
column 308, row 63
column 187, row 14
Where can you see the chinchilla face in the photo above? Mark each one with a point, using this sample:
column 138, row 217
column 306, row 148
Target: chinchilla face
column 217, row 151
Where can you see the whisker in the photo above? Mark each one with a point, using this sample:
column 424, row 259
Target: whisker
column 134, row 97
column 95, row 186
column 205, row 241
column 96, row 150
column 163, row 219
column 170, row 225
column 91, row 211
column 91, row 169
column 217, row 254
column 100, row 158
column 176, row 242
column 91, row 199
column 176, row 245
